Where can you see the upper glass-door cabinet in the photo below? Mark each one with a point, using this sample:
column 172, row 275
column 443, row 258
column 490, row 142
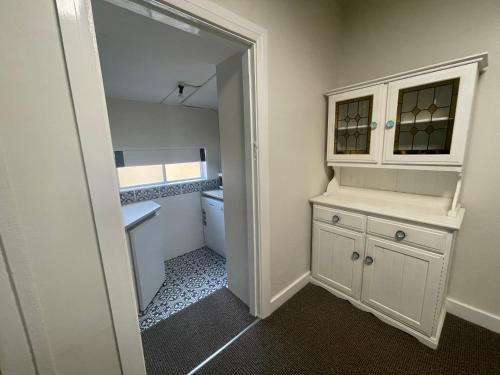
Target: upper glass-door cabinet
column 428, row 117
column 355, row 125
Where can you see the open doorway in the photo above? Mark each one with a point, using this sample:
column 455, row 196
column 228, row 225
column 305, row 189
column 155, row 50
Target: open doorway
column 161, row 84
column 174, row 98
column 80, row 48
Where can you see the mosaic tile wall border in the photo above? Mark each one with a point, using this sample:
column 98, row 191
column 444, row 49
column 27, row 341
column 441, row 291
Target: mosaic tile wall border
column 149, row 193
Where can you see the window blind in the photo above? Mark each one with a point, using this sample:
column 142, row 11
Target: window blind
column 162, row 156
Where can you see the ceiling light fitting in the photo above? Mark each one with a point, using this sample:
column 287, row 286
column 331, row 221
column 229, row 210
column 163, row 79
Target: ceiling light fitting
column 181, row 90
column 181, row 85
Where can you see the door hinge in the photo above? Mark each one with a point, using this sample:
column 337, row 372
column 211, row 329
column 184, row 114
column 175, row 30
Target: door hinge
column 255, row 149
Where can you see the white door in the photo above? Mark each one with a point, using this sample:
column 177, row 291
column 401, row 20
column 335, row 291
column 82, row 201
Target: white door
column 402, row 282
column 428, row 117
column 337, row 258
column 355, row 125
column 213, row 224
column 147, row 254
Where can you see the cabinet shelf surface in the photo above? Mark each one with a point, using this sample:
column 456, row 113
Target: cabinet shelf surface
column 423, row 209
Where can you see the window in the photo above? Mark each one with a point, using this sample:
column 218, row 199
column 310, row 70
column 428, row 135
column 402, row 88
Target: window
column 160, row 173
column 140, row 175
column 183, row 171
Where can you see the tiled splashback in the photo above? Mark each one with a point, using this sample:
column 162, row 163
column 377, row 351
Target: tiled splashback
column 149, row 193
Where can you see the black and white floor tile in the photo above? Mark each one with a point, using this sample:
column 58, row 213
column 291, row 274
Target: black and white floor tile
column 189, row 278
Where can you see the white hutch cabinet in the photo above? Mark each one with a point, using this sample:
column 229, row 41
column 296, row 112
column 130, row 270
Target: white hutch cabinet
column 418, row 118
column 378, row 241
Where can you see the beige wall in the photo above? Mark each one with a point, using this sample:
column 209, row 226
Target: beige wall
column 47, row 186
column 392, row 36
column 39, row 142
column 301, row 66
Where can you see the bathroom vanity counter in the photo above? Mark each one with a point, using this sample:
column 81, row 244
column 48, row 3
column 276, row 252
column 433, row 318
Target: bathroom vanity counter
column 217, row 194
column 135, row 213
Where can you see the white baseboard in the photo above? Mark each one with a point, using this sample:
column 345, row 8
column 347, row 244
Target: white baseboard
column 288, row 292
column 473, row 314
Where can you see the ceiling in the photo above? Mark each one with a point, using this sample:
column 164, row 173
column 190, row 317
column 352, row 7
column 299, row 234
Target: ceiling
column 144, row 60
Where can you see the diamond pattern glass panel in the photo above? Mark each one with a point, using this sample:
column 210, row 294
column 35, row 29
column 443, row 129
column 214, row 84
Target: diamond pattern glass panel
column 425, row 118
column 352, row 121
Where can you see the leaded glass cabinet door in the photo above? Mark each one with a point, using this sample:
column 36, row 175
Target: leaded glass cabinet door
column 355, row 125
column 428, row 117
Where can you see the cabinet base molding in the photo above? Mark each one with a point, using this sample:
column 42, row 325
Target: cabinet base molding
column 431, row 342
column 473, row 314
column 288, row 292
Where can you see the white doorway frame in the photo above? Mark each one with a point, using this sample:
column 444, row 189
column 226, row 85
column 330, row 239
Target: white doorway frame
column 87, row 91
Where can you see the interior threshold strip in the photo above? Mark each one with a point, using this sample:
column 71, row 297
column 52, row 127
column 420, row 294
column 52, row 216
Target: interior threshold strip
column 218, row 351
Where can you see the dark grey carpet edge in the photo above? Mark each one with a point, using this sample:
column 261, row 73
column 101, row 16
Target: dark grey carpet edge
column 318, row 333
column 181, row 342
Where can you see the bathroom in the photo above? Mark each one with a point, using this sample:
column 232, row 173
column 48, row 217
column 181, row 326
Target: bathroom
column 174, row 103
column 173, row 208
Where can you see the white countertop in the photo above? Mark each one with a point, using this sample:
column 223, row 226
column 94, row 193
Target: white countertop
column 133, row 214
column 423, row 209
column 217, row 194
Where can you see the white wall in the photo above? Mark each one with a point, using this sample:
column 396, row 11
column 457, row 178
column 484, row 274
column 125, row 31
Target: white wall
column 302, row 52
column 393, row 36
column 139, row 125
column 151, row 126
column 47, row 186
column 232, row 136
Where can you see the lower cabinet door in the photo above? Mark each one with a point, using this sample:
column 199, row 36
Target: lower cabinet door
column 338, row 258
column 402, row 282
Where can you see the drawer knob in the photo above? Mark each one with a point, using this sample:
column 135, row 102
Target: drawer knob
column 373, row 125
column 400, row 235
column 389, row 124
column 368, row 260
column 355, row 255
column 335, row 219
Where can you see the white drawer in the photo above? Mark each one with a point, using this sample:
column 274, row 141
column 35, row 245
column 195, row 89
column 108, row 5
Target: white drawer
column 408, row 234
column 340, row 218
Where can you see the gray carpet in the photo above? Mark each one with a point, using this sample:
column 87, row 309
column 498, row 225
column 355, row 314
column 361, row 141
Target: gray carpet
column 178, row 344
column 317, row 333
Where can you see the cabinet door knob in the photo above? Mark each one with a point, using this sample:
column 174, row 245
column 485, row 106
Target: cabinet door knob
column 355, row 255
column 373, row 125
column 389, row 124
column 400, row 235
column 368, row 261
column 335, row 219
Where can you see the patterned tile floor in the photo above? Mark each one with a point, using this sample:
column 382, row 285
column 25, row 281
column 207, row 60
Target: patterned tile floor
column 189, row 278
